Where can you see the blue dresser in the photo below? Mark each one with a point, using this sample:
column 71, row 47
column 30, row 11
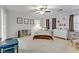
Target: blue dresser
column 9, row 46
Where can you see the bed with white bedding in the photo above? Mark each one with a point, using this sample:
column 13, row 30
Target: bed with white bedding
column 63, row 34
column 42, row 34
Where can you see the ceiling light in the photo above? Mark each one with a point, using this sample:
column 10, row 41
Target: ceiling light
column 41, row 12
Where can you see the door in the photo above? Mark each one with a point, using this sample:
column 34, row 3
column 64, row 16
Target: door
column 53, row 23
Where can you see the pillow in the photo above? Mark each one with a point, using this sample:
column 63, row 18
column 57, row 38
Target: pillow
column 44, row 28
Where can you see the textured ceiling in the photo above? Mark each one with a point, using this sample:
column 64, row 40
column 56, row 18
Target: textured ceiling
column 30, row 8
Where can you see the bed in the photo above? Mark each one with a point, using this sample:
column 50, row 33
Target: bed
column 41, row 34
column 63, row 34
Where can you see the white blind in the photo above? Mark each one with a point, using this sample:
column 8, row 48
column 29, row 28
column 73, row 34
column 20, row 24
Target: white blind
column 76, row 22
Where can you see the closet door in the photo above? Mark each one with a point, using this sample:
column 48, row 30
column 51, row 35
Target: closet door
column 47, row 23
column 53, row 23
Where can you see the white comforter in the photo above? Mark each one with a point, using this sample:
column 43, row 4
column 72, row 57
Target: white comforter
column 42, row 32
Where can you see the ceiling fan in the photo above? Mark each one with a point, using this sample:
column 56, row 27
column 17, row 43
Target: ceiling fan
column 42, row 9
column 46, row 9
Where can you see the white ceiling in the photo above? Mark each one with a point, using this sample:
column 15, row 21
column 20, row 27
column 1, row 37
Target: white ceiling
column 30, row 8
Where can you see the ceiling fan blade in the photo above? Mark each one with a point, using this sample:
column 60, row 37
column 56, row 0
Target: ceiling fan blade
column 37, row 9
column 47, row 11
column 57, row 9
column 37, row 12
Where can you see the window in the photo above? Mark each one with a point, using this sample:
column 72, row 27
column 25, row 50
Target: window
column 76, row 22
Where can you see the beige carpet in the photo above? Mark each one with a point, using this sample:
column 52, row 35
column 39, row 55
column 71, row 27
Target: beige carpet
column 27, row 45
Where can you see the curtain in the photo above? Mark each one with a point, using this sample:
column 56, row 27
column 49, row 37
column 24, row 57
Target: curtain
column 71, row 23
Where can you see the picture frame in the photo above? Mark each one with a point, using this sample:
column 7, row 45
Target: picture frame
column 19, row 20
column 26, row 21
column 31, row 21
column 64, row 24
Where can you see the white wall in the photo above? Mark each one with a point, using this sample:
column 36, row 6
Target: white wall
column 0, row 22
column 3, row 23
column 13, row 27
column 62, row 17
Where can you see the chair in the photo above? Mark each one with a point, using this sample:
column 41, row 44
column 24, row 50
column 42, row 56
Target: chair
column 10, row 46
column 75, row 39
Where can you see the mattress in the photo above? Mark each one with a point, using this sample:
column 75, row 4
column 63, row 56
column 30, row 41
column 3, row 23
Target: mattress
column 42, row 35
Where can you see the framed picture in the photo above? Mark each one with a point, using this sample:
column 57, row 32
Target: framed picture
column 26, row 21
column 19, row 20
column 31, row 21
column 64, row 24
column 58, row 21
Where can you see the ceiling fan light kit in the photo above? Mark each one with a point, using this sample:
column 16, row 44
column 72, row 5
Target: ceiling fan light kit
column 42, row 12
